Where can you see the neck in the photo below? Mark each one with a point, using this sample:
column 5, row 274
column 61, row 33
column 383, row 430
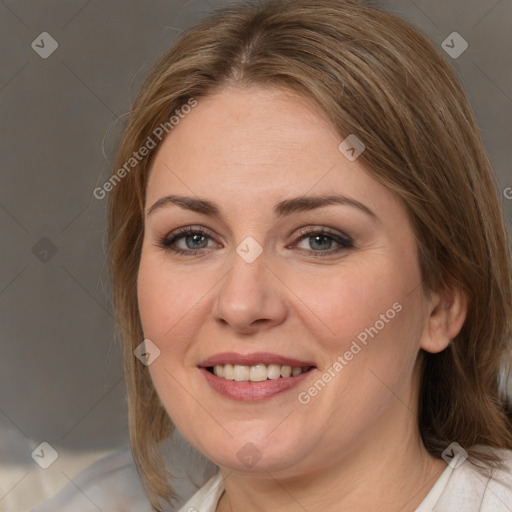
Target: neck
column 375, row 491
column 389, row 470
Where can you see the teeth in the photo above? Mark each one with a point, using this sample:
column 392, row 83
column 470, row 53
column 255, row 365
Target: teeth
column 273, row 371
column 286, row 371
column 227, row 372
column 296, row 371
column 241, row 373
column 256, row 373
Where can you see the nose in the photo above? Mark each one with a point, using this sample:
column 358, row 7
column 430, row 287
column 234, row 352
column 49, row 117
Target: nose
column 250, row 297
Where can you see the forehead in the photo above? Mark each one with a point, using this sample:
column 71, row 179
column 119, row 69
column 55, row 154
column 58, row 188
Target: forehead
column 254, row 144
column 256, row 126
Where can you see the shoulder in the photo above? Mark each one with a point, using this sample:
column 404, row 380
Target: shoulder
column 472, row 489
column 113, row 483
column 498, row 492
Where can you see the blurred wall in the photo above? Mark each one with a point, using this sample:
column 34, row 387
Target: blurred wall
column 69, row 71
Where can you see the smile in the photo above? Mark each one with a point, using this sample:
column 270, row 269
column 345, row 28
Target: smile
column 257, row 373
column 249, row 377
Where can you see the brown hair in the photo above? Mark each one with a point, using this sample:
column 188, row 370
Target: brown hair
column 377, row 77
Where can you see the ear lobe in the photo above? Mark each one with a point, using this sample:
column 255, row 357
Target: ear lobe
column 448, row 310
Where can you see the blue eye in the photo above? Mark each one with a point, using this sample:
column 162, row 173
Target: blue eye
column 322, row 240
column 196, row 240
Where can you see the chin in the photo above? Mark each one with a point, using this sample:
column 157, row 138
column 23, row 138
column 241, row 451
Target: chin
column 245, row 454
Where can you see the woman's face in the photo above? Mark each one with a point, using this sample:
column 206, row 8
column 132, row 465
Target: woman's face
column 270, row 279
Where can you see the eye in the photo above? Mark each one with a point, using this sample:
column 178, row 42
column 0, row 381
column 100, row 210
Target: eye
column 322, row 240
column 194, row 241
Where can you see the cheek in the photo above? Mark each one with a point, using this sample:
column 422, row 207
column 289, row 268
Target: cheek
column 166, row 300
column 369, row 359
column 354, row 298
column 370, row 316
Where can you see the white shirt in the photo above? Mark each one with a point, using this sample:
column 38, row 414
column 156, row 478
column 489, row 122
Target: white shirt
column 460, row 488
column 112, row 485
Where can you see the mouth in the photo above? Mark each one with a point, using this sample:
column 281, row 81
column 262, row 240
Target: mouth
column 254, row 377
column 257, row 373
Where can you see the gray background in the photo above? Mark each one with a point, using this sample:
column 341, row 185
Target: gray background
column 61, row 117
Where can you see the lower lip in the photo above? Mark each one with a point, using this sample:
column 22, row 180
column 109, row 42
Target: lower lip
column 247, row 391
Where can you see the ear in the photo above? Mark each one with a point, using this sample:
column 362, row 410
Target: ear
column 447, row 312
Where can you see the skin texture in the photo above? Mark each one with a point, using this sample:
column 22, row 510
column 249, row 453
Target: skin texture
column 356, row 444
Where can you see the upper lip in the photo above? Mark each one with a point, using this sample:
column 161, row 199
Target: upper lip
column 253, row 359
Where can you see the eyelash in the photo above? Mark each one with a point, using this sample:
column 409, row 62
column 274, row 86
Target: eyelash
column 167, row 241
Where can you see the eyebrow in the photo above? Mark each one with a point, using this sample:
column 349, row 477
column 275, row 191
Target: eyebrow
column 281, row 209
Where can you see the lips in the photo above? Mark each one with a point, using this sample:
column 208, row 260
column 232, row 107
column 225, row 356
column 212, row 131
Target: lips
column 263, row 386
column 253, row 359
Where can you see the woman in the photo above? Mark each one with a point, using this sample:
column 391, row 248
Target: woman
column 305, row 232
